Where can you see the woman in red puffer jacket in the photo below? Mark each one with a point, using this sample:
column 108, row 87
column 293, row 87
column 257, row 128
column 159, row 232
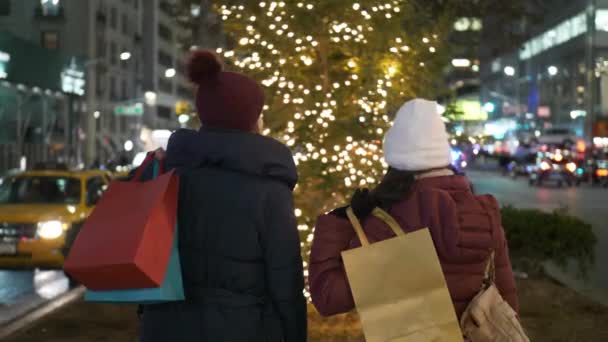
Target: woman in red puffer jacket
column 419, row 190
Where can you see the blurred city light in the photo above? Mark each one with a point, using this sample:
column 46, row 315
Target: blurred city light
column 125, row 56
column 509, row 71
column 183, row 119
column 150, row 98
column 461, row 62
column 489, row 107
column 128, row 146
column 96, row 114
column 552, row 70
column 170, row 73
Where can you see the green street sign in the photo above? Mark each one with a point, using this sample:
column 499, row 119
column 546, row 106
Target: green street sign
column 130, row 110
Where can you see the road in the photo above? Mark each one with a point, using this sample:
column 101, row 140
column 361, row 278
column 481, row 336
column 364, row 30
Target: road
column 22, row 291
column 587, row 203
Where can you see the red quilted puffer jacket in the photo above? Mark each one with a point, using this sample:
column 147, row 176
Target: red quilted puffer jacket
column 464, row 227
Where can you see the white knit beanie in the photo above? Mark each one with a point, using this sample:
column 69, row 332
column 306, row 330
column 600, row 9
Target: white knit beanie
column 418, row 139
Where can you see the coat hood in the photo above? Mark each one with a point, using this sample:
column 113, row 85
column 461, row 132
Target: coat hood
column 232, row 150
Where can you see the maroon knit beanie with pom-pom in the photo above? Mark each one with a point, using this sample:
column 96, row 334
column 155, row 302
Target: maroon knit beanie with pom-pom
column 224, row 99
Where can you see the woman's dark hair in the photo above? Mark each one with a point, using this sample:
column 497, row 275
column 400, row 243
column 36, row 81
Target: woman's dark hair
column 395, row 187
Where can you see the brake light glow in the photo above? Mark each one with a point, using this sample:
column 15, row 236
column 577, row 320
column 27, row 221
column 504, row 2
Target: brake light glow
column 602, row 172
column 545, row 166
column 581, row 146
column 571, row 167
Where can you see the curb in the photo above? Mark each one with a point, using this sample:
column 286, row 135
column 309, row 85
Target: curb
column 40, row 312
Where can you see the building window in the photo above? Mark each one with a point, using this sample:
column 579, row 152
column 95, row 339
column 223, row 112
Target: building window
column 113, row 53
column 164, row 112
column 101, row 85
column 166, row 7
column 125, row 24
column 50, row 7
column 5, row 7
column 113, row 92
column 165, row 59
column 50, row 40
column 164, row 32
column 185, row 92
column 113, row 18
column 165, row 85
column 124, row 87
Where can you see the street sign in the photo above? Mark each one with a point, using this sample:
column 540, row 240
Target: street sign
column 136, row 109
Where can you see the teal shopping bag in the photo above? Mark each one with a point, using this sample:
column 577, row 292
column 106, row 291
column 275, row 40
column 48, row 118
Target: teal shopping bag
column 172, row 288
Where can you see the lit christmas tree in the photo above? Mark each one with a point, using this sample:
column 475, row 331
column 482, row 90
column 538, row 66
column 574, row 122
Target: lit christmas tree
column 334, row 72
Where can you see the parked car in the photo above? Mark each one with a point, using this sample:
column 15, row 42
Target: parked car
column 42, row 211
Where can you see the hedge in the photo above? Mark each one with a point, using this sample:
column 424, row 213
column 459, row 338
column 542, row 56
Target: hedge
column 536, row 237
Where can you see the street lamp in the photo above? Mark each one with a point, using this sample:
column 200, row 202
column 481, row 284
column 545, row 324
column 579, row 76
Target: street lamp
column 170, row 73
column 509, row 71
column 125, row 56
column 96, row 114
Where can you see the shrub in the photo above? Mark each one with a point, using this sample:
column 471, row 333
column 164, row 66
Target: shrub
column 536, row 237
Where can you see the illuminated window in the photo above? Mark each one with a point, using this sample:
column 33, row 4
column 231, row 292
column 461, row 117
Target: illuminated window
column 559, row 34
column 50, row 40
column 50, row 7
column 601, row 20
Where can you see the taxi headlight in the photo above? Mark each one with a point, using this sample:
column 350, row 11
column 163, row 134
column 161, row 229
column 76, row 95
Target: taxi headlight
column 50, row 229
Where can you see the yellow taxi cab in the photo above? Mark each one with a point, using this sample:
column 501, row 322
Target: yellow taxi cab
column 42, row 211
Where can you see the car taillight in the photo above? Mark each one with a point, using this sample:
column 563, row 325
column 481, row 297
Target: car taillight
column 545, row 166
column 571, row 167
column 602, row 172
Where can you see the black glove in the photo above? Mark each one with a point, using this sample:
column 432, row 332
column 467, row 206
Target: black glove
column 362, row 203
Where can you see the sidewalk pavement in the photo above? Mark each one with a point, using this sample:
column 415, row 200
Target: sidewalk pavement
column 549, row 311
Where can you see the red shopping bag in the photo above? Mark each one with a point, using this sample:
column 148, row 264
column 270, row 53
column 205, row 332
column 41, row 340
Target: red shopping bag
column 126, row 242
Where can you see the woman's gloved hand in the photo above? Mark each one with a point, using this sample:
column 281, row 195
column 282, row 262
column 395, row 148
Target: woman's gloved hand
column 362, row 203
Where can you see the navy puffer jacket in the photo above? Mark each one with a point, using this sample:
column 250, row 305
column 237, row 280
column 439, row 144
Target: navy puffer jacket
column 238, row 241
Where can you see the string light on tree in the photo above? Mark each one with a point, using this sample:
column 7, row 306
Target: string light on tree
column 333, row 75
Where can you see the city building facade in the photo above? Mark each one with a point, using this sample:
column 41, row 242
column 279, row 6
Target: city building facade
column 133, row 66
column 556, row 78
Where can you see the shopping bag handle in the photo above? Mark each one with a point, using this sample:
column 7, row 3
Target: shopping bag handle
column 379, row 213
column 150, row 158
column 489, row 276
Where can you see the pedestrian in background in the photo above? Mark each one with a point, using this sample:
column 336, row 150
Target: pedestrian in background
column 419, row 190
column 238, row 239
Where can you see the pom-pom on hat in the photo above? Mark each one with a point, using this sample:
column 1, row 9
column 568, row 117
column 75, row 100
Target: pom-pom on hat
column 224, row 99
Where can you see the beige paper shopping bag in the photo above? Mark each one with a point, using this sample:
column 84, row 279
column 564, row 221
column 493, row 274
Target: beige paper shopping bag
column 399, row 288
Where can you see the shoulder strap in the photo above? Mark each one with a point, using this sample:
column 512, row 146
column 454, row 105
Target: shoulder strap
column 379, row 213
